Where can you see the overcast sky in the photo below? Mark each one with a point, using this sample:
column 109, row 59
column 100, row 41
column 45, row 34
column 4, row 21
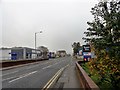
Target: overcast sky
column 62, row 22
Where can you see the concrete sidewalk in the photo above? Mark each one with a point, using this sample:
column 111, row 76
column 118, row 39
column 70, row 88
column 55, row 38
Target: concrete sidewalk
column 69, row 78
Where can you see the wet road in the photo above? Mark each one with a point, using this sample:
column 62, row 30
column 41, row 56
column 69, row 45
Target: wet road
column 33, row 75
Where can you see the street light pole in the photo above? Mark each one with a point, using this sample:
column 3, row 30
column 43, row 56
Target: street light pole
column 35, row 42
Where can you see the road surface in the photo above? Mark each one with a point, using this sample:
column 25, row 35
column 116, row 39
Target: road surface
column 33, row 75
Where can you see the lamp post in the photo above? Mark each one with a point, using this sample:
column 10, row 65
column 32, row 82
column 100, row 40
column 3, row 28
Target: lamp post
column 35, row 42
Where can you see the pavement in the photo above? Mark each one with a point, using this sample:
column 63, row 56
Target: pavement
column 69, row 78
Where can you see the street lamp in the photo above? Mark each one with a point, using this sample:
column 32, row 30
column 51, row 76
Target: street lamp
column 35, row 41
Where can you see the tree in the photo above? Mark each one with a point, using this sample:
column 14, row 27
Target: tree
column 104, row 34
column 76, row 46
column 106, row 24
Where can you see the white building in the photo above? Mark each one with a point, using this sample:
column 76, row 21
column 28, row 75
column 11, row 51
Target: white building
column 5, row 53
column 18, row 53
column 23, row 53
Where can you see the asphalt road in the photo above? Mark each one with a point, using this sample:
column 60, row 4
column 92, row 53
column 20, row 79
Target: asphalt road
column 33, row 75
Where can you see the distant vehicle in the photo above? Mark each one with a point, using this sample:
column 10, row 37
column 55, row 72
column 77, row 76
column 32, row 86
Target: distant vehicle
column 61, row 53
column 52, row 55
column 86, row 52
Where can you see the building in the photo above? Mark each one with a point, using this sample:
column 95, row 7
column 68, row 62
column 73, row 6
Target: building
column 19, row 53
column 5, row 53
column 44, row 52
column 25, row 53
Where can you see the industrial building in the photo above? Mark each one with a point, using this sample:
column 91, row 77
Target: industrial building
column 19, row 53
column 4, row 53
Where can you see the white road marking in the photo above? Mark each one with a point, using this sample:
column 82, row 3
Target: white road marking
column 9, row 73
column 37, row 65
column 52, row 65
column 7, row 79
column 32, row 67
column 22, row 76
column 47, row 67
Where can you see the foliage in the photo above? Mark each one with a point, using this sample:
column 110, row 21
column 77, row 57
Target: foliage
column 104, row 36
column 76, row 46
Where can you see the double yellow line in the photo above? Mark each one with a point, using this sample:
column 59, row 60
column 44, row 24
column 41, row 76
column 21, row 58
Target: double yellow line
column 52, row 81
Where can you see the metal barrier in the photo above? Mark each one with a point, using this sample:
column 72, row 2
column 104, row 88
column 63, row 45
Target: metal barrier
column 85, row 81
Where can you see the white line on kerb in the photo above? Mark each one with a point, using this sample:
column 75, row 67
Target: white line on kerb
column 22, row 76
